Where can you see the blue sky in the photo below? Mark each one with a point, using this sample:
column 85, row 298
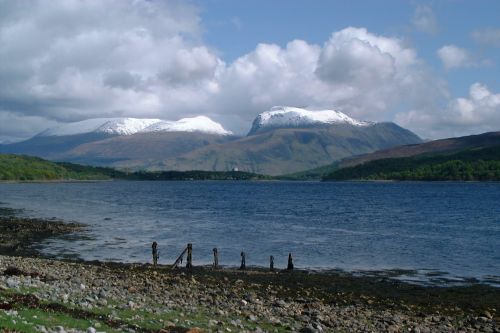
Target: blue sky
column 429, row 66
column 235, row 27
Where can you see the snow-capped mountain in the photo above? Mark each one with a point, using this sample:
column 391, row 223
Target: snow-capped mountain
column 129, row 126
column 287, row 116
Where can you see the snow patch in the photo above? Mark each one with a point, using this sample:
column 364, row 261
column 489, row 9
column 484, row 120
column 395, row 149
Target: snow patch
column 196, row 124
column 129, row 126
column 287, row 116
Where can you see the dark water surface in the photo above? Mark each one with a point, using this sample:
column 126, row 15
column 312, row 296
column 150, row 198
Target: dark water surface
column 440, row 231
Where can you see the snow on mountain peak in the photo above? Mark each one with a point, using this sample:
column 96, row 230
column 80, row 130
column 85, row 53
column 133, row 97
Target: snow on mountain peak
column 129, row 126
column 126, row 126
column 287, row 116
column 196, row 124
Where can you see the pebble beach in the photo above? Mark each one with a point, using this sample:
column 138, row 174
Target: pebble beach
column 47, row 295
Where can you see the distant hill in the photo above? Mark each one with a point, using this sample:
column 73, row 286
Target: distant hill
column 450, row 145
column 28, row 168
column 479, row 164
column 436, row 146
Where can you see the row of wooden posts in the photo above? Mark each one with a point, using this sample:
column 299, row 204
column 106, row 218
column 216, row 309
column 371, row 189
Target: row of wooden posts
column 189, row 261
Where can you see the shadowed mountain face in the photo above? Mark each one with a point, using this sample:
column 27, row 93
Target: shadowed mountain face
column 287, row 150
column 51, row 147
column 142, row 150
column 134, row 151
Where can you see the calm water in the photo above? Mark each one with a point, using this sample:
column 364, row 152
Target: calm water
column 440, row 230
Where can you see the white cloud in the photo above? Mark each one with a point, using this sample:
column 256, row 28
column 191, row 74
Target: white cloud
column 487, row 37
column 78, row 59
column 74, row 60
column 477, row 113
column 453, row 57
column 363, row 74
column 424, row 19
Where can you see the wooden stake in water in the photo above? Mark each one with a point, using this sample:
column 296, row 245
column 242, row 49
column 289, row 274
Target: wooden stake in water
column 271, row 263
column 243, row 263
column 155, row 253
column 189, row 263
column 290, row 262
column 216, row 258
column 179, row 259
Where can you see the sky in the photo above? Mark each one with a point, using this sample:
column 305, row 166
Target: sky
column 429, row 66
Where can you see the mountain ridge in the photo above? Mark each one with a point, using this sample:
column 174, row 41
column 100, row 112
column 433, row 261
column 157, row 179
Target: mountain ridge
column 129, row 126
column 287, row 140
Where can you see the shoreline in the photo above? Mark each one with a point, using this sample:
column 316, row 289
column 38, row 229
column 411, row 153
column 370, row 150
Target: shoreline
column 215, row 300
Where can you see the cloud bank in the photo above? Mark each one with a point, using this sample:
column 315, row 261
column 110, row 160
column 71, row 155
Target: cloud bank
column 74, row 60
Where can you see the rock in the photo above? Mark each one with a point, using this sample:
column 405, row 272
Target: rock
column 308, row 329
column 393, row 329
column 82, row 286
column 59, row 329
column 194, row 330
column 243, row 302
column 91, row 330
column 487, row 314
column 12, row 283
column 41, row 329
column 281, row 303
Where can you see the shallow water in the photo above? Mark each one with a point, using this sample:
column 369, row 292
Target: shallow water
column 436, row 231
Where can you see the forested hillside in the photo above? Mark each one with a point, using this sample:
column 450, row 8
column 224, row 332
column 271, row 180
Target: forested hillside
column 481, row 164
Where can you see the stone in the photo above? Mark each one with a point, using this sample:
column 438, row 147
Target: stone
column 308, row 329
column 12, row 283
column 59, row 329
column 91, row 330
column 194, row 330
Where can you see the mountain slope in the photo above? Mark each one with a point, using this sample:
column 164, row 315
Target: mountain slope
column 139, row 150
column 449, row 146
column 51, row 147
column 107, row 141
column 16, row 167
column 28, row 168
column 469, row 164
column 436, row 146
column 286, row 150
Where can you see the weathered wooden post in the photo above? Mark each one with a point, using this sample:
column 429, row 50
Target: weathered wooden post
column 243, row 263
column 154, row 248
column 290, row 262
column 189, row 263
column 216, row 258
column 271, row 263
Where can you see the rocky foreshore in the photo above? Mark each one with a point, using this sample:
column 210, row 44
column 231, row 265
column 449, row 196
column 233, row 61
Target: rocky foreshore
column 46, row 295
column 57, row 296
